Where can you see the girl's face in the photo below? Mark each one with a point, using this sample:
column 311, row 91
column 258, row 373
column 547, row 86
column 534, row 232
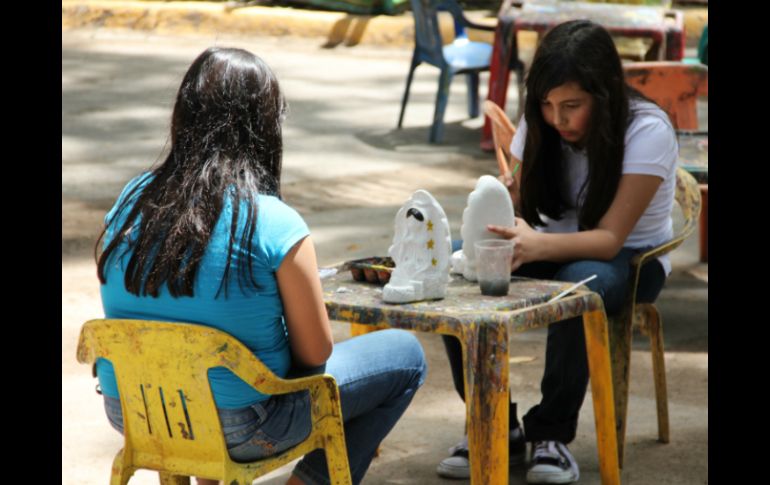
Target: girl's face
column 568, row 109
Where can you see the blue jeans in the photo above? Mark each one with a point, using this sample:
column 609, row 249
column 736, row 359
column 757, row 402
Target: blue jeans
column 377, row 374
column 565, row 380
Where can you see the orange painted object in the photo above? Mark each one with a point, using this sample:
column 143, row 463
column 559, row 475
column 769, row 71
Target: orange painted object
column 674, row 86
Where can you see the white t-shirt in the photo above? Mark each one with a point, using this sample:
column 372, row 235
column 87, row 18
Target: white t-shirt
column 651, row 149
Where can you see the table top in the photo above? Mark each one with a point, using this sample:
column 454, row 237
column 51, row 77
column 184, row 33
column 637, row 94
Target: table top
column 616, row 16
column 524, row 307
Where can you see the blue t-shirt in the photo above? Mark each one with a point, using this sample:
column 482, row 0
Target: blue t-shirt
column 254, row 317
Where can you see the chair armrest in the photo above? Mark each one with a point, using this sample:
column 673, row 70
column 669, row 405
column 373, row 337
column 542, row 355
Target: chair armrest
column 688, row 197
column 473, row 25
column 457, row 13
column 253, row 372
column 643, row 258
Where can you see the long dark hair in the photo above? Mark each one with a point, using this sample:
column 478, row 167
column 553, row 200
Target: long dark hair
column 583, row 52
column 225, row 142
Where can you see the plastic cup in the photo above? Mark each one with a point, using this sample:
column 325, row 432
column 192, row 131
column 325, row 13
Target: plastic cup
column 493, row 265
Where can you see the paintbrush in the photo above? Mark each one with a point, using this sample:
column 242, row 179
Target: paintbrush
column 571, row 288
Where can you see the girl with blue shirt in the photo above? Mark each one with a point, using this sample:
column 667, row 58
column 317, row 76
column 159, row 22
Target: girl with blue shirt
column 205, row 238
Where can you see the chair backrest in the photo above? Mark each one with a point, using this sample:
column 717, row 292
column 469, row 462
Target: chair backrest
column 502, row 133
column 674, row 86
column 427, row 32
column 687, row 196
column 170, row 417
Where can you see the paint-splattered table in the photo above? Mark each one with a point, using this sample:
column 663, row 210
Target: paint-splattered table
column 483, row 325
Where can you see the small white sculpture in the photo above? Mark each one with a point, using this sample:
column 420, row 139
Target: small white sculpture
column 489, row 203
column 421, row 249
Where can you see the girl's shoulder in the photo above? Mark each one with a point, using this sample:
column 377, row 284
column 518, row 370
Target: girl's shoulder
column 274, row 212
column 648, row 121
column 136, row 184
column 128, row 195
column 274, row 203
column 646, row 113
column 651, row 143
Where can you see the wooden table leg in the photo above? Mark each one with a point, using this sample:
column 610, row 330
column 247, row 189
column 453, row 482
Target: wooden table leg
column 597, row 347
column 620, row 335
column 485, row 355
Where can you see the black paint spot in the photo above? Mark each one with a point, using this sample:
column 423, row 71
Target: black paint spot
column 415, row 213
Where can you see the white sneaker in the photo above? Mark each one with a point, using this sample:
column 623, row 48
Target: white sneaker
column 552, row 463
column 458, row 466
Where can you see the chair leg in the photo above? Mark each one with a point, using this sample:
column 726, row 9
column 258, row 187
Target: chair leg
column 328, row 402
column 472, row 79
column 654, row 329
column 121, row 471
column 620, row 345
column 442, row 97
column 337, row 463
column 406, row 91
column 171, row 479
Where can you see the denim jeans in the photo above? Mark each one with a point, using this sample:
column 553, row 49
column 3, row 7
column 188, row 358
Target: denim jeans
column 565, row 380
column 377, row 375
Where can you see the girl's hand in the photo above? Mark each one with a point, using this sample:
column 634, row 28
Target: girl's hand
column 509, row 181
column 527, row 244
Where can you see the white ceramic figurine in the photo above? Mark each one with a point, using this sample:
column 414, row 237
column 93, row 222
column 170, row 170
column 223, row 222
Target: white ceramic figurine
column 421, row 249
column 489, row 203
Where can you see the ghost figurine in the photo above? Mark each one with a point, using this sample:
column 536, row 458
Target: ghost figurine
column 421, row 248
column 489, row 203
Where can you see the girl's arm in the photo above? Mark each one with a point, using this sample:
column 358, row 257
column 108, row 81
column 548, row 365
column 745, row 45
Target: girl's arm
column 635, row 192
column 310, row 334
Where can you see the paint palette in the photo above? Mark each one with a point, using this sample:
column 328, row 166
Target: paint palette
column 375, row 270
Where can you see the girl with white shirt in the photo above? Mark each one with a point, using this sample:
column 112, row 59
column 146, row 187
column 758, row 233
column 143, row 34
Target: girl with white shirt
column 595, row 187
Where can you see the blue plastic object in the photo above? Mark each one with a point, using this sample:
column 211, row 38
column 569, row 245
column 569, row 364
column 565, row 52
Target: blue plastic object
column 462, row 56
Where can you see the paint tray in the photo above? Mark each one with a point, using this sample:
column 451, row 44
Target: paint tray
column 375, row 270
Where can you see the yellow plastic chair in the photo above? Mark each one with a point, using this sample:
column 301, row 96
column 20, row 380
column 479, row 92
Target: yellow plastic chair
column 170, row 418
column 646, row 317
